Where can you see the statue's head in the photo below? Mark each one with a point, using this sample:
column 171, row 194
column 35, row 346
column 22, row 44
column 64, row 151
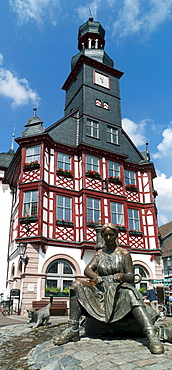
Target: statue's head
column 109, row 226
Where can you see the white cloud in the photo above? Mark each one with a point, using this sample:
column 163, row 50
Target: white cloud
column 16, row 89
column 136, row 131
column 165, row 147
column 128, row 21
column 84, row 13
column 1, row 59
column 36, row 10
column 141, row 17
column 164, row 200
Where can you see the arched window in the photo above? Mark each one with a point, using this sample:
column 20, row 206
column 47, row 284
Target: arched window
column 60, row 274
column 141, row 271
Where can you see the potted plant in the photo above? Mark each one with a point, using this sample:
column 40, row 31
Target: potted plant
column 120, row 227
column 155, row 193
column 115, row 179
column 91, row 223
column 143, row 291
column 54, row 291
column 31, row 165
column 28, row 219
column 62, row 172
column 135, row 232
column 65, row 291
column 93, row 174
column 131, row 187
column 64, row 222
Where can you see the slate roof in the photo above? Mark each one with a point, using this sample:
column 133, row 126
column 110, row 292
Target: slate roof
column 166, row 239
column 5, row 159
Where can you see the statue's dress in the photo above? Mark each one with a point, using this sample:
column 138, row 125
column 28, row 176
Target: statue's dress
column 110, row 302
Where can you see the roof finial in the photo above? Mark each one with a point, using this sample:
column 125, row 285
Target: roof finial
column 13, row 136
column 90, row 17
column 147, row 152
column 34, row 111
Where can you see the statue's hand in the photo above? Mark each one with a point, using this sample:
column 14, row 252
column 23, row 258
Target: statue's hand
column 98, row 280
column 118, row 278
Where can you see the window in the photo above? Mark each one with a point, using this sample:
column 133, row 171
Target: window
column 64, row 161
column 112, row 135
column 141, row 271
column 92, row 163
column 106, row 105
column 60, row 274
column 114, row 169
column 133, row 218
column 93, row 129
column 33, row 154
column 117, row 216
column 98, row 103
column 130, row 177
column 30, row 204
column 93, row 209
column 63, row 208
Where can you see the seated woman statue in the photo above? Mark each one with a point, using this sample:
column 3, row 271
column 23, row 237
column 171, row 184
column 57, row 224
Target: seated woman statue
column 112, row 296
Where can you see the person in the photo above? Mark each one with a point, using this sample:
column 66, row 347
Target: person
column 151, row 295
column 112, row 297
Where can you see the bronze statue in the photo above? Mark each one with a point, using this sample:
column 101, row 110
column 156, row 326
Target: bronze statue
column 112, row 296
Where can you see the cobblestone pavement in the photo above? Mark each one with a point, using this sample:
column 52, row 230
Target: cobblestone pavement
column 33, row 349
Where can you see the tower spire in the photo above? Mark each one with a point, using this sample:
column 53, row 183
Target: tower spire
column 13, row 136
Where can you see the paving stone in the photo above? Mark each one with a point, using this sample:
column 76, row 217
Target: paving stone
column 142, row 363
column 68, row 360
column 84, row 355
column 128, row 367
column 91, row 363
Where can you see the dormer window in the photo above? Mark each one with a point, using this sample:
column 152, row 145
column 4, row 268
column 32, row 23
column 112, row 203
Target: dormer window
column 112, row 135
column 93, row 128
column 33, row 154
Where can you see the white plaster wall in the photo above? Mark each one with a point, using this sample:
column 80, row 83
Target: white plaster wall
column 51, row 251
column 145, row 258
column 5, row 214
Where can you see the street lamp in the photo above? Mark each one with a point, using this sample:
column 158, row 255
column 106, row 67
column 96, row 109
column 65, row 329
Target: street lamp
column 21, row 251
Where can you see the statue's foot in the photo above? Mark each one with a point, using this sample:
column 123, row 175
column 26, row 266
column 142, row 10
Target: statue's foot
column 154, row 344
column 68, row 335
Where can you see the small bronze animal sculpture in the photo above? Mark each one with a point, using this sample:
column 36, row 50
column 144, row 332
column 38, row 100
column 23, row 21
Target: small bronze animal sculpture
column 42, row 316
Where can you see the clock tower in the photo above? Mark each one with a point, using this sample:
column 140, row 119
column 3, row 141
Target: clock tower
column 93, row 87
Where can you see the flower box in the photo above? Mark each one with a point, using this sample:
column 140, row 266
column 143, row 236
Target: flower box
column 155, row 193
column 121, row 227
column 131, row 187
column 62, row 172
column 93, row 174
column 64, row 222
column 116, row 180
column 91, row 223
column 31, row 166
column 28, row 219
column 135, row 232
column 60, row 294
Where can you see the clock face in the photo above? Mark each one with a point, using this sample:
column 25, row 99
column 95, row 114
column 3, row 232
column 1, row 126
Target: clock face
column 101, row 80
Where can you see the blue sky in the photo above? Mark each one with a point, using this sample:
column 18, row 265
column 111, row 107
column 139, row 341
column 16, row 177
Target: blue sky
column 38, row 39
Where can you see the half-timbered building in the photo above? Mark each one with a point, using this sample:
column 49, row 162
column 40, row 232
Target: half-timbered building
column 81, row 168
